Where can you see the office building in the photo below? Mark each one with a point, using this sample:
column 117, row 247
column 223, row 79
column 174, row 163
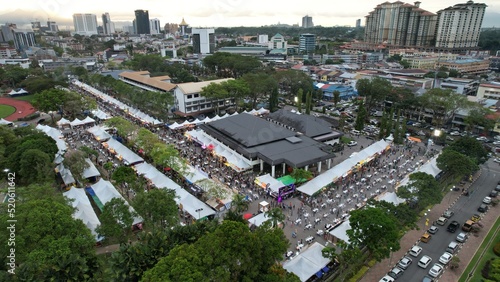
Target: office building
column 307, row 43
column 107, row 25
column 307, row 22
column 263, row 39
column 400, row 24
column 154, row 26
column 277, row 42
column 142, row 22
column 22, row 38
column 358, row 23
column 36, row 26
column 85, row 24
column 203, row 40
column 459, row 26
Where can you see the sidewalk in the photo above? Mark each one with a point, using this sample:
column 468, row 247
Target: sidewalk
column 412, row 237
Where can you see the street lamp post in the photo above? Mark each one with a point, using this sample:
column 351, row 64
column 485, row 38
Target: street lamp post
column 390, row 259
column 449, row 198
column 199, row 210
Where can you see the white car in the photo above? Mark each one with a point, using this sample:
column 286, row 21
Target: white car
column 482, row 138
column 496, row 142
column 352, row 143
column 415, row 251
column 487, row 200
column 436, row 270
column 404, row 262
column 497, row 160
column 455, row 133
column 461, row 237
column 424, row 261
column 387, row 278
column 445, row 258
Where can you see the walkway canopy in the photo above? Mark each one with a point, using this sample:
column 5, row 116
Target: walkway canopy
column 99, row 133
column 123, row 153
column 430, row 167
column 105, row 191
column 344, row 168
column 83, row 209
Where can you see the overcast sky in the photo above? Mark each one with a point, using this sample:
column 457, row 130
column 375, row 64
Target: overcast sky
column 216, row 13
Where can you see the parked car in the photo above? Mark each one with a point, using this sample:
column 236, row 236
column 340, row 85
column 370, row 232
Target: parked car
column 425, row 238
column 395, row 272
column 455, row 133
column 493, row 194
column 436, row 270
column 448, row 214
column 482, row 208
column 482, row 138
column 461, row 237
column 352, row 143
column 487, row 200
column 424, row 261
column 405, row 262
column 415, row 251
column 445, row 258
column 441, row 221
column 454, row 225
column 433, row 229
column 387, row 278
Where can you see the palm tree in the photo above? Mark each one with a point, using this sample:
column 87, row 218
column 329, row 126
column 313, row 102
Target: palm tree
column 275, row 216
column 239, row 203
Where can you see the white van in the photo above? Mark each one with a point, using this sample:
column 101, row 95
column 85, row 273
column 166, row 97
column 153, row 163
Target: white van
column 355, row 132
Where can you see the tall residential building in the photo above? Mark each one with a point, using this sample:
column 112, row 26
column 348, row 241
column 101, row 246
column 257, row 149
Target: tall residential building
column 358, row 23
column 85, row 24
column 142, row 22
column 307, row 22
column 400, row 24
column 307, row 43
column 154, row 26
column 203, row 40
column 36, row 26
column 52, row 26
column 107, row 25
column 459, row 26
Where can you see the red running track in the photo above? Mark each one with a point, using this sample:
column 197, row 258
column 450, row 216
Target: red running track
column 23, row 108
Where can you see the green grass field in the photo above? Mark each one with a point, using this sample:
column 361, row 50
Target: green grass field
column 487, row 255
column 27, row 98
column 6, row 110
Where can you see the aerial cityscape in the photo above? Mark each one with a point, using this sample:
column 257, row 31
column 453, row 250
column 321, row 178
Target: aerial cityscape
column 250, row 141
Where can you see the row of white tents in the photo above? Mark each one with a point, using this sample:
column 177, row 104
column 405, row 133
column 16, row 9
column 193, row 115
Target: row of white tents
column 176, row 125
column 75, row 122
column 130, row 110
column 5, row 122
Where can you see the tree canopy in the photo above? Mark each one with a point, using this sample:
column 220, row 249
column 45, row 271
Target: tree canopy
column 456, row 163
column 376, row 230
column 422, row 190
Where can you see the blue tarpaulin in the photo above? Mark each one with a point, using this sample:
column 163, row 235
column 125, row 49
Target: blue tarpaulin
column 319, row 274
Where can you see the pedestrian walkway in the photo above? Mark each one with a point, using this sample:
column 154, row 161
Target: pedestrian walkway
column 380, row 269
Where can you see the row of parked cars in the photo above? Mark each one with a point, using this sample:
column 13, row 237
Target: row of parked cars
column 437, row 269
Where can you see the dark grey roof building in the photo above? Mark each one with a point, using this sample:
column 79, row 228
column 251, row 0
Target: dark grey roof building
column 260, row 140
column 311, row 126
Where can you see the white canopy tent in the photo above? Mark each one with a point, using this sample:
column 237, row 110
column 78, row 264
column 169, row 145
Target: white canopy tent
column 5, row 122
column 189, row 203
column 100, row 114
column 259, row 219
column 17, row 92
column 76, row 122
column 340, row 232
column 105, row 191
column 63, row 121
column 56, row 135
column 99, row 133
column 88, row 120
column 430, row 167
column 83, row 209
column 307, row 263
column 194, row 175
column 123, row 152
column 390, row 197
column 91, row 170
column 341, row 169
column 66, row 174
column 267, row 179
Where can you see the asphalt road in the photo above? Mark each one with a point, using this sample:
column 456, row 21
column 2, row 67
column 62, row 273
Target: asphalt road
column 464, row 208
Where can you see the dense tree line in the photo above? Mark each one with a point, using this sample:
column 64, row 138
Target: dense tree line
column 489, row 39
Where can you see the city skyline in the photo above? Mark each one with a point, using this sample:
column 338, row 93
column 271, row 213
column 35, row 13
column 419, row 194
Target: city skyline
column 219, row 13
